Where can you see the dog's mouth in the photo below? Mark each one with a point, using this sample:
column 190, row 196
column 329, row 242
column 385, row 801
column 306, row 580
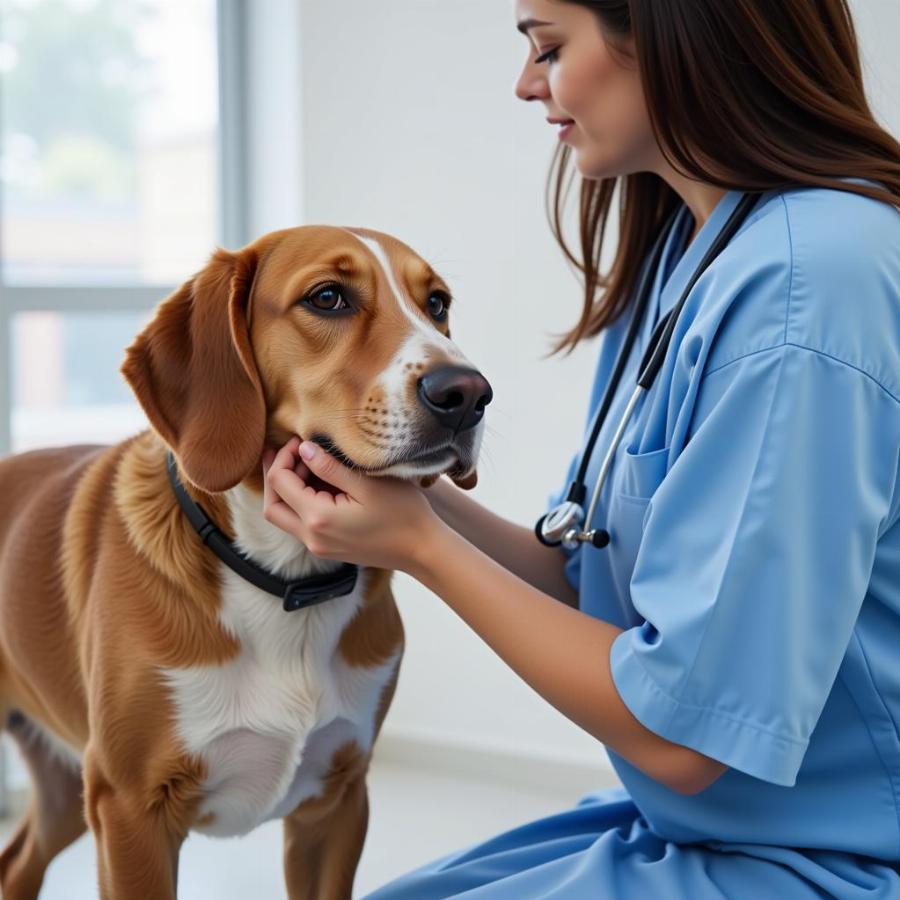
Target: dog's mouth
column 445, row 458
column 329, row 446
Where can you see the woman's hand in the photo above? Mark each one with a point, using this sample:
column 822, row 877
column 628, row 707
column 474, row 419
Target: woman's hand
column 379, row 522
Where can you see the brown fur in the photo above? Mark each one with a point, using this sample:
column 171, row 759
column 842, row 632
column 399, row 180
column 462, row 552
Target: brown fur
column 103, row 580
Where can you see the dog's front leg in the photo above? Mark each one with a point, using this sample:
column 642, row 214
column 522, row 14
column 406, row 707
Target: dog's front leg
column 137, row 847
column 323, row 843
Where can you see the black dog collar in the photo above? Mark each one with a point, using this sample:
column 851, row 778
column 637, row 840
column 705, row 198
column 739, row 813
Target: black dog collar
column 297, row 594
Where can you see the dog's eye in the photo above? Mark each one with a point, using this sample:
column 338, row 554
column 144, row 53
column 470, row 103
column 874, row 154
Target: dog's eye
column 437, row 306
column 327, row 299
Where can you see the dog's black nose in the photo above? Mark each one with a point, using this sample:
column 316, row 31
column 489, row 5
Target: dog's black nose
column 455, row 396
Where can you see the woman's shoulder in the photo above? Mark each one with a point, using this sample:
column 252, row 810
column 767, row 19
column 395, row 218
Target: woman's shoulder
column 816, row 268
column 832, row 227
column 826, row 230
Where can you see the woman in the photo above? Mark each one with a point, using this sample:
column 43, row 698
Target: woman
column 735, row 645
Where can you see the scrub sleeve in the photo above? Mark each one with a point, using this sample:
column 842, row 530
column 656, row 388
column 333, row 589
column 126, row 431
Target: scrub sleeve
column 757, row 552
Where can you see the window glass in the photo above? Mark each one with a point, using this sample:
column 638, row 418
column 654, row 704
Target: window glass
column 108, row 141
column 66, row 384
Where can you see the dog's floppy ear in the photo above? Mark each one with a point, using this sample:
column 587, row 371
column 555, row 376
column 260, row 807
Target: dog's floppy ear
column 193, row 372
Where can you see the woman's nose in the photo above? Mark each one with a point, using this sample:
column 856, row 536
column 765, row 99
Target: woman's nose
column 532, row 83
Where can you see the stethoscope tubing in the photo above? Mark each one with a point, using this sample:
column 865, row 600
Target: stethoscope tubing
column 611, row 452
column 562, row 525
column 637, row 317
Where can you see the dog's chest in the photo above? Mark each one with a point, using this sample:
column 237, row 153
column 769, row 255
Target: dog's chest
column 268, row 723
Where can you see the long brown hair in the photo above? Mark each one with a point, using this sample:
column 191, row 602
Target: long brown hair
column 784, row 75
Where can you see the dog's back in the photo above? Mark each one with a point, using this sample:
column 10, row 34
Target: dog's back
column 37, row 489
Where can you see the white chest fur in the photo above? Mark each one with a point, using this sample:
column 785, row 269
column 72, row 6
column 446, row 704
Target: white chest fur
column 268, row 722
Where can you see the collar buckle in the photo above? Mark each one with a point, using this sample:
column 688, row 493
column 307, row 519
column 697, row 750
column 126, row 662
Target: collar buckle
column 311, row 591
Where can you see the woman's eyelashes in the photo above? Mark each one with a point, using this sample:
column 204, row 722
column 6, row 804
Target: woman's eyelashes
column 550, row 56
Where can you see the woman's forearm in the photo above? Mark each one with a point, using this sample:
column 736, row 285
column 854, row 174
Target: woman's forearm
column 512, row 546
column 561, row 652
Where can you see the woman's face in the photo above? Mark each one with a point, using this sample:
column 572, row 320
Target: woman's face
column 583, row 81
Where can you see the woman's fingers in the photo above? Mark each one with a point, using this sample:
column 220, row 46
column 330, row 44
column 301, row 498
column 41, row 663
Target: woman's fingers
column 286, row 481
column 332, row 472
column 285, row 457
column 289, row 456
column 274, row 467
column 270, row 498
column 280, row 514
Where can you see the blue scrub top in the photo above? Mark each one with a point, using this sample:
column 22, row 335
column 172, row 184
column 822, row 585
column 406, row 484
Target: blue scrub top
column 754, row 514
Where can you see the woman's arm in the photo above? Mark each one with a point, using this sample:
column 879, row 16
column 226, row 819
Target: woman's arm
column 512, row 546
column 562, row 653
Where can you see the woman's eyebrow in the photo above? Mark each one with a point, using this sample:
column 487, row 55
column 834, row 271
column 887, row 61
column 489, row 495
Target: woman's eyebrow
column 525, row 24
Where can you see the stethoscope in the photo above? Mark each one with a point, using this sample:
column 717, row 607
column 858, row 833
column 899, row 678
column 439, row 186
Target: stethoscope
column 563, row 524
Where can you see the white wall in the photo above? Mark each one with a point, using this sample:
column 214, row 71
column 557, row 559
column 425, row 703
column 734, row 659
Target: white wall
column 878, row 29
column 409, row 125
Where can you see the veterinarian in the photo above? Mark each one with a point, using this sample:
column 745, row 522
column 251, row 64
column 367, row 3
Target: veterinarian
column 730, row 616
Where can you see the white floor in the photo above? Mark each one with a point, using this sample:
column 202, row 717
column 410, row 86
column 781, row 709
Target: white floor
column 416, row 815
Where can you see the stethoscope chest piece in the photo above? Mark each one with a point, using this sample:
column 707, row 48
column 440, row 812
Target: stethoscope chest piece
column 562, row 525
column 553, row 528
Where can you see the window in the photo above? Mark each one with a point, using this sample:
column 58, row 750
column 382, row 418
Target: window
column 115, row 142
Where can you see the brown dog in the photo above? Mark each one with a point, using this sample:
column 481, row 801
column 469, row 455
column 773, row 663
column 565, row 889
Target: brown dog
column 151, row 687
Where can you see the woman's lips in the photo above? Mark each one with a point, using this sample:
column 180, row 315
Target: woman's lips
column 565, row 125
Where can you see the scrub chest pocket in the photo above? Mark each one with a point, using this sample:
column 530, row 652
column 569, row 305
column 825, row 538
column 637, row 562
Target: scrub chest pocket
column 636, row 478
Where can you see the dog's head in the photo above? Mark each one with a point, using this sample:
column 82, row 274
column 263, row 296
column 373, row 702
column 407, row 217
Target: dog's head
column 338, row 335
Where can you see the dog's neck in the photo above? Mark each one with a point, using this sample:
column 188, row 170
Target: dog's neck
column 267, row 544
column 295, row 591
